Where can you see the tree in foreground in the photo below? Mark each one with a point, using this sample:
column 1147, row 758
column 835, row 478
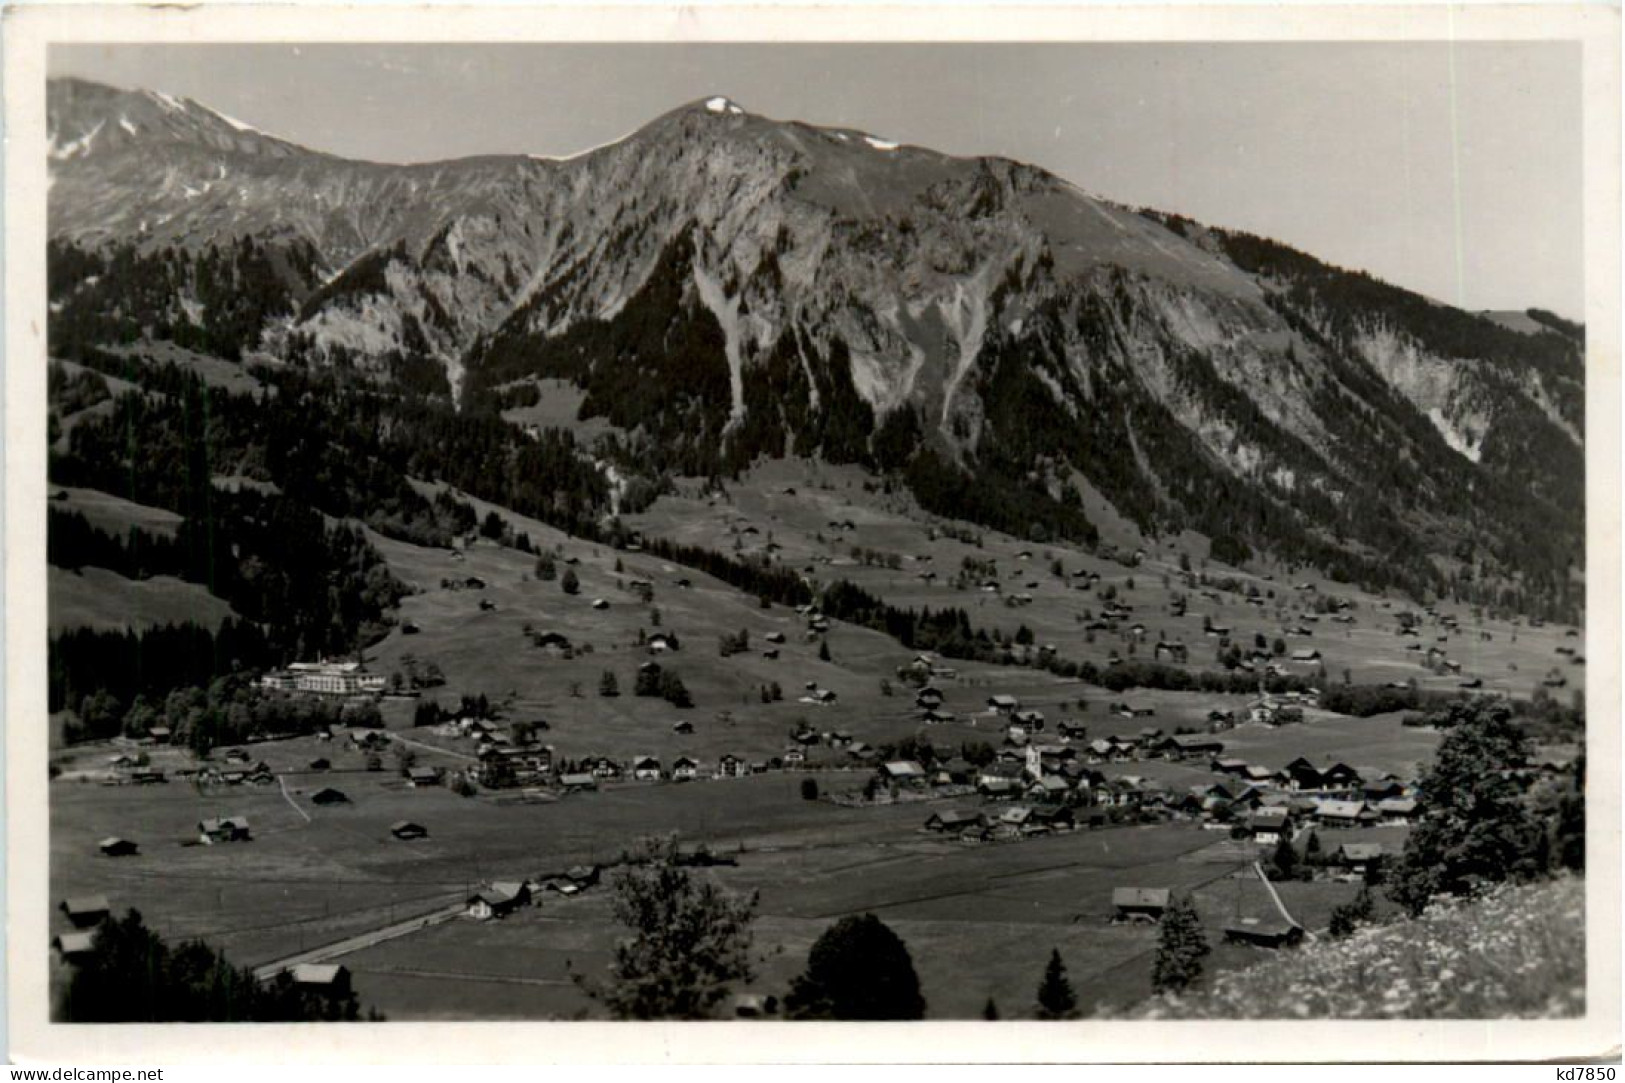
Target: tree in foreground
column 132, row 976
column 1477, row 829
column 990, row 1010
column 690, row 942
column 858, row 969
column 1056, row 1000
column 1181, row 947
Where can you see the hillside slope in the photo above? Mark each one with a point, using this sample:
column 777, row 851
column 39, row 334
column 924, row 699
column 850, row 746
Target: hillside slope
column 1518, row 953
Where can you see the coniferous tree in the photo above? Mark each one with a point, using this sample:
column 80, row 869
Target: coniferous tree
column 1056, row 1000
column 1181, row 947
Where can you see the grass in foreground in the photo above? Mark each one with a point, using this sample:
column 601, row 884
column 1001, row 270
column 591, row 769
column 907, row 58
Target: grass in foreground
column 1516, row 953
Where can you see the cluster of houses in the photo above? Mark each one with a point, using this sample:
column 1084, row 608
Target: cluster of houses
column 342, row 679
column 501, row 898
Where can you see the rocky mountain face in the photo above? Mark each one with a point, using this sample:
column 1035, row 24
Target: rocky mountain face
column 725, row 286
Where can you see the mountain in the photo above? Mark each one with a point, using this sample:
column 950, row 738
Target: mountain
column 723, row 286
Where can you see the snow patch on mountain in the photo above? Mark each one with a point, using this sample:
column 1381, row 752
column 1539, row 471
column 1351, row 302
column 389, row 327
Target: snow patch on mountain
column 880, row 144
column 75, row 147
column 726, row 311
column 965, row 315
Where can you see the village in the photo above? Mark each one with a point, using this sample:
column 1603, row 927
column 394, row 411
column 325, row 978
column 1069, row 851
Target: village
column 488, row 764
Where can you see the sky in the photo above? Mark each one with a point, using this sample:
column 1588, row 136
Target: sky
column 1451, row 169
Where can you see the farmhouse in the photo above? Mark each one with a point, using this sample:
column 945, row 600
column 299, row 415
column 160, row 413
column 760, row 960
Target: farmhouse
column 498, row 900
column 1343, row 814
column 604, row 767
column 1270, row 825
column 1072, row 731
column 74, row 947
column 406, row 830
column 85, row 911
column 928, row 698
column 329, row 796
column 1399, row 810
column 423, row 776
column 1263, row 934
column 229, row 829
column 683, row 767
column 954, row 820
column 1139, row 903
column 1303, row 775
column 578, row 782
column 661, row 642
column 331, row 979
column 731, row 766
column 1358, row 855
column 1189, row 746
column 645, row 768
column 935, row 716
column 683, row 727
column 905, row 771
column 117, row 847
column 1004, row 704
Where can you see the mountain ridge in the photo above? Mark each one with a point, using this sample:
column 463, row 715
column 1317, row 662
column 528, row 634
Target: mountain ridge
column 725, row 286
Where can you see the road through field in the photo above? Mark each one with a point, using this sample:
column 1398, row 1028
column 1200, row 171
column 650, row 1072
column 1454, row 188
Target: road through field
column 361, row 940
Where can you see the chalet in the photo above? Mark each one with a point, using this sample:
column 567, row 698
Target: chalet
column 1072, row 731
column 1048, row 788
column 487, row 605
column 1004, row 778
column 1270, row 825
column 861, row 750
column 683, row 727
column 771, row 653
column 1137, row 710
column 159, row 735
column 1230, row 766
column 551, row 639
column 731, row 766
column 329, row 796
column 1303, row 775
column 606, row 768
column 1171, row 652
column 823, row 697
column 1032, row 720
column 1050, row 817
column 645, row 768
column 953, row 820
column 329, row 979
column 1399, row 810
column 578, row 781
column 903, row 771
column 498, row 900
column 795, row 755
column 928, row 698
column 1343, row 814
column 1382, row 789
column 1139, row 904
column 320, row 764
column 74, row 947
column 406, row 830
column 86, row 911
column 117, row 847
column 936, row 716
column 774, row 637
column 423, row 776
column 1357, row 856
column 660, row 643
column 1190, row 746
column 229, row 829
column 1004, row 704
column 684, row 767
column 1263, row 934
column 1340, row 775
column 600, row 603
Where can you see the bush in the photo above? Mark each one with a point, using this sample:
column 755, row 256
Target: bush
column 809, row 789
